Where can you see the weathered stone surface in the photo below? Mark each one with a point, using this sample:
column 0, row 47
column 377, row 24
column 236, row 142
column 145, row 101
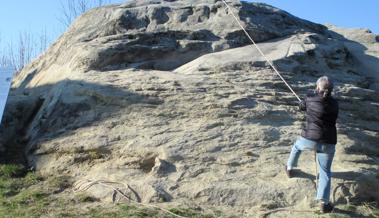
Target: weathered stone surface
column 216, row 128
column 158, row 35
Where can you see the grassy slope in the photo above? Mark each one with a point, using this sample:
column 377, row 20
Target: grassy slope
column 25, row 194
column 28, row 195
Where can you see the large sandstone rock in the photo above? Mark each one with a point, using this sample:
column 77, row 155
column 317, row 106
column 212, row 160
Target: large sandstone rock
column 168, row 97
column 157, row 35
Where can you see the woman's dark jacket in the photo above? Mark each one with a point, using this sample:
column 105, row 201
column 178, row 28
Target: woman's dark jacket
column 321, row 116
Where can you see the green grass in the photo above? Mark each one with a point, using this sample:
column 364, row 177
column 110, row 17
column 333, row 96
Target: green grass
column 17, row 197
column 59, row 183
column 376, row 214
column 124, row 210
column 187, row 212
column 334, row 215
column 369, row 210
column 25, row 194
column 84, row 197
column 11, row 170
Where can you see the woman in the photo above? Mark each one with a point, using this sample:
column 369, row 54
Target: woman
column 319, row 134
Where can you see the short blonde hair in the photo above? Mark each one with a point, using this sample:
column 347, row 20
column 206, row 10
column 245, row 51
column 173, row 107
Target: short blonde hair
column 325, row 86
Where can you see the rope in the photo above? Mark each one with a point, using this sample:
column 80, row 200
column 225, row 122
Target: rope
column 84, row 185
column 274, row 68
column 260, row 51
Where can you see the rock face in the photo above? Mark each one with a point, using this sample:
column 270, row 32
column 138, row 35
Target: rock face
column 168, row 97
column 159, row 35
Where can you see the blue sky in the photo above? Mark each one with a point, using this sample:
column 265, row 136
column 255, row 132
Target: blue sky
column 344, row 13
column 33, row 16
column 37, row 16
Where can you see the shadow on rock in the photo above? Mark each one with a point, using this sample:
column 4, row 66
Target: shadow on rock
column 40, row 114
column 349, row 213
column 304, row 175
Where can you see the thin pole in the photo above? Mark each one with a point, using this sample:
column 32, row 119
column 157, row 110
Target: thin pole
column 260, row 51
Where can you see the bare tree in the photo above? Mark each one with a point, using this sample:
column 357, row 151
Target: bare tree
column 22, row 52
column 2, row 64
column 19, row 53
column 3, row 60
column 70, row 9
column 43, row 42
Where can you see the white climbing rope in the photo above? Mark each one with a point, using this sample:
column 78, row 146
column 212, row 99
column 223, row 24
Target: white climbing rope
column 260, row 51
column 276, row 71
column 84, row 185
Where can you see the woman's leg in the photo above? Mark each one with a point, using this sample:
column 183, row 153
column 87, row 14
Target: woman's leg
column 325, row 154
column 301, row 144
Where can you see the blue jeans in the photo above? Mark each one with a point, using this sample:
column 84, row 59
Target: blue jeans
column 325, row 154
